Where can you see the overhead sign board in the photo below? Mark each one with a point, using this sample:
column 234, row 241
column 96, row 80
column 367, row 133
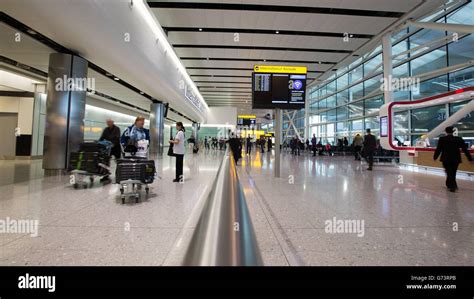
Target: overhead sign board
column 246, row 116
column 280, row 69
column 191, row 97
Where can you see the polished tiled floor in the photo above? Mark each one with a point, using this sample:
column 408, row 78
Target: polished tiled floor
column 91, row 226
column 408, row 216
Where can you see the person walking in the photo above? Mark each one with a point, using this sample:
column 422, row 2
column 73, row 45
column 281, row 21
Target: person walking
column 112, row 133
column 178, row 151
column 448, row 148
column 269, row 144
column 357, row 146
column 235, row 147
column 313, row 145
column 370, row 145
column 248, row 145
column 345, row 144
column 298, row 146
column 135, row 133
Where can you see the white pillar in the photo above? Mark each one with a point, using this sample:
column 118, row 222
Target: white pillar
column 278, row 127
column 387, row 66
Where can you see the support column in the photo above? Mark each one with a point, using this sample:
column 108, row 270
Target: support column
column 387, row 66
column 65, row 108
column 196, row 132
column 278, row 127
column 157, row 127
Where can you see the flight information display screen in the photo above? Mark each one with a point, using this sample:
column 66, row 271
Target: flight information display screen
column 246, row 122
column 285, row 91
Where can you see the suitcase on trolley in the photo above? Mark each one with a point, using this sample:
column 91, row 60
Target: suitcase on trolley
column 136, row 170
column 91, row 162
column 88, row 162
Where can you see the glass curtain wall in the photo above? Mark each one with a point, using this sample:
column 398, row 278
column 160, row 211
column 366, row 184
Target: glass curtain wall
column 348, row 102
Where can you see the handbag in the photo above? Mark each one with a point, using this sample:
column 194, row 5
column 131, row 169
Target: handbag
column 170, row 150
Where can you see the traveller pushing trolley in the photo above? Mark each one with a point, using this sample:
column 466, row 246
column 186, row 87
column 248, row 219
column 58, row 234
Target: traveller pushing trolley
column 135, row 170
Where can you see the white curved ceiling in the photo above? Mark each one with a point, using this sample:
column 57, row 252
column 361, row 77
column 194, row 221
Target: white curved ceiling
column 96, row 30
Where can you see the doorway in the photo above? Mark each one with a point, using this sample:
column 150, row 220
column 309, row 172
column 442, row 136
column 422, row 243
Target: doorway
column 8, row 123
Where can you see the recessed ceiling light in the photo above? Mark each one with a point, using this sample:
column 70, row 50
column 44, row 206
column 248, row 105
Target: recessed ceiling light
column 30, row 31
column 116, row 79
column 200, row 29
column 277, row 32
column 141, row 92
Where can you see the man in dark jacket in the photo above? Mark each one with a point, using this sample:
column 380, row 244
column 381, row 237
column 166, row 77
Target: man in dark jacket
column 248, row 145
column 236, row 147
column 370, row 145
column 112, row 133
column 449, row 147
column 313, row 144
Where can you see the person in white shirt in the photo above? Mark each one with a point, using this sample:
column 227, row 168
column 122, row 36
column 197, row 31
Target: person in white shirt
column 178, row 151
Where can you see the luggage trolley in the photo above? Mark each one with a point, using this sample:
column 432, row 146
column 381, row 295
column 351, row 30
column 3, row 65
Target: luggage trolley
column 92, row 160
column 134, row 171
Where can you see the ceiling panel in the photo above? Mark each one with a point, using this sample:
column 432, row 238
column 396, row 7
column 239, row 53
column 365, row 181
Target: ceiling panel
column 25, row 50
column 172, row 17
column 219, row 72
column 266, row 40
column 259, row 54
column 243, row 64
column 272, row 32
column 212, row 84
column 110, row 87
column 219, row 80
column 33, row 53
column 376, row 5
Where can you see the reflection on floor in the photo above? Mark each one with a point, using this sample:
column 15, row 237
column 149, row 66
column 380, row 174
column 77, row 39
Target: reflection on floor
column 408, row 218
column 92, row 227
column 17, row 171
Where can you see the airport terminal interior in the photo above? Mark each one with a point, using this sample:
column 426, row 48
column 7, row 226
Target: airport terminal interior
column 309, row 133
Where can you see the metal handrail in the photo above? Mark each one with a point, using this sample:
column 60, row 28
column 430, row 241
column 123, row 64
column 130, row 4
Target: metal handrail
column 224, row 234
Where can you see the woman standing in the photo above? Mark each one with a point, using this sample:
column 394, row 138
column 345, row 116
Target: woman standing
column 178, row 151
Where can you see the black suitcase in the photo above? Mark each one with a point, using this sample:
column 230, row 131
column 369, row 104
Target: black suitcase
column 92, row 147
column 88, row 161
